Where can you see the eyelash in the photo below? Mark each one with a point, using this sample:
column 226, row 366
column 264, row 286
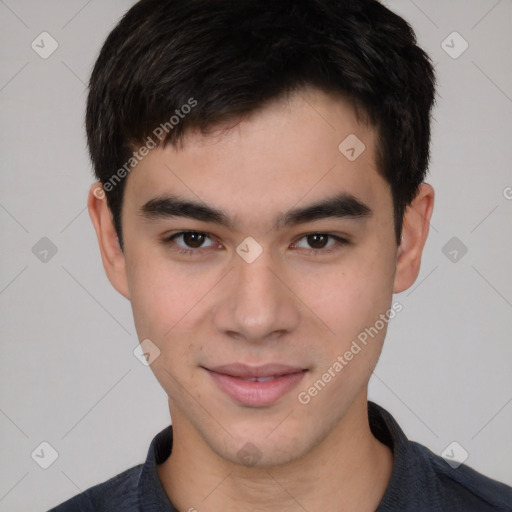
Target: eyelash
column 340, row 242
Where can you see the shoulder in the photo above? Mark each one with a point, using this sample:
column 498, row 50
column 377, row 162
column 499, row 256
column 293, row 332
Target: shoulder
column 422, row 481
column 461, row 487
column 116, row 493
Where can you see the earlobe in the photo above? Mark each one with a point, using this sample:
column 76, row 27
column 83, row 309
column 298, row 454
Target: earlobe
column 414, row 235
column 112, row 255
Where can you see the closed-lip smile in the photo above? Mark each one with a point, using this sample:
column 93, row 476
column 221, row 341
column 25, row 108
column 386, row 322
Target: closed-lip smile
column 256, row 386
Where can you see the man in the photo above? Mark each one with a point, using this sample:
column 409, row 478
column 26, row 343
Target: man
column 260, row 198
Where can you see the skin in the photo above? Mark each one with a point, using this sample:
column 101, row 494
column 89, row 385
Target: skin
column 288, row 306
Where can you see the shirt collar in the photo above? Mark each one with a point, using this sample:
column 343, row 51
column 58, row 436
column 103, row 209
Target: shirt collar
column 152, row 496
column 411, row 473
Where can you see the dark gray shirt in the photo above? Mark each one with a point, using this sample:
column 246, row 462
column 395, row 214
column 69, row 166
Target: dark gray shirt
column 420, row 482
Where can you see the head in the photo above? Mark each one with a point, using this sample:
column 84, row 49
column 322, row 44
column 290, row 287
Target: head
column 293, row 139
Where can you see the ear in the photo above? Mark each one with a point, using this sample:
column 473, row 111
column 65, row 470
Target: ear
column 414, row 235
column 112, row 256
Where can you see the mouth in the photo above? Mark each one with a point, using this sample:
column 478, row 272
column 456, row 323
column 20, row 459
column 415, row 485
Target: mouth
column 256, row 386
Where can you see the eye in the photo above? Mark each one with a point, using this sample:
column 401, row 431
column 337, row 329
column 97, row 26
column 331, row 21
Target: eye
column 321, row 243
column 189, row 242
column 193, row 243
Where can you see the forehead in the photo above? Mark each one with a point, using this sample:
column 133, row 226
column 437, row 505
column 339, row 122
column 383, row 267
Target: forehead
column 295, row 150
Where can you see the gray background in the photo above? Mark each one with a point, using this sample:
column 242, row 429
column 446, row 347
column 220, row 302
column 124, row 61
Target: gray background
column 68, row 373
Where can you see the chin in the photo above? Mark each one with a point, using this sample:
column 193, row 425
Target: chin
column 263, row 453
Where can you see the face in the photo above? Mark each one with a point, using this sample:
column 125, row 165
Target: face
column 256, row 284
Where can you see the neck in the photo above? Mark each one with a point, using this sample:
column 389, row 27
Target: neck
column 348, row 470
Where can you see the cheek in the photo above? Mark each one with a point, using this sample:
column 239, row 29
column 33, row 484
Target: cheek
column 160, row 293
column 171, row 303
column 351, row 295
column 166, row 303
column 350, row 301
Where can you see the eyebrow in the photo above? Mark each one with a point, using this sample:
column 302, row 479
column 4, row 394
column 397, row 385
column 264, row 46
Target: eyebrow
column 343, row 205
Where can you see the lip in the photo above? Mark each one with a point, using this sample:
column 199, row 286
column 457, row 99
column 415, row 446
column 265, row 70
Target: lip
column 233, row 379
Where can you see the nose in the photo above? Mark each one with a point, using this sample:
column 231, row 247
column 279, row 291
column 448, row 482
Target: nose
column 258, row 303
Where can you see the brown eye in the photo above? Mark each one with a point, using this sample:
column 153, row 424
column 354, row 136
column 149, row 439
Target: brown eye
column 193, row 239
column 319, row 243
column 318, row 240
column 190, row 241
